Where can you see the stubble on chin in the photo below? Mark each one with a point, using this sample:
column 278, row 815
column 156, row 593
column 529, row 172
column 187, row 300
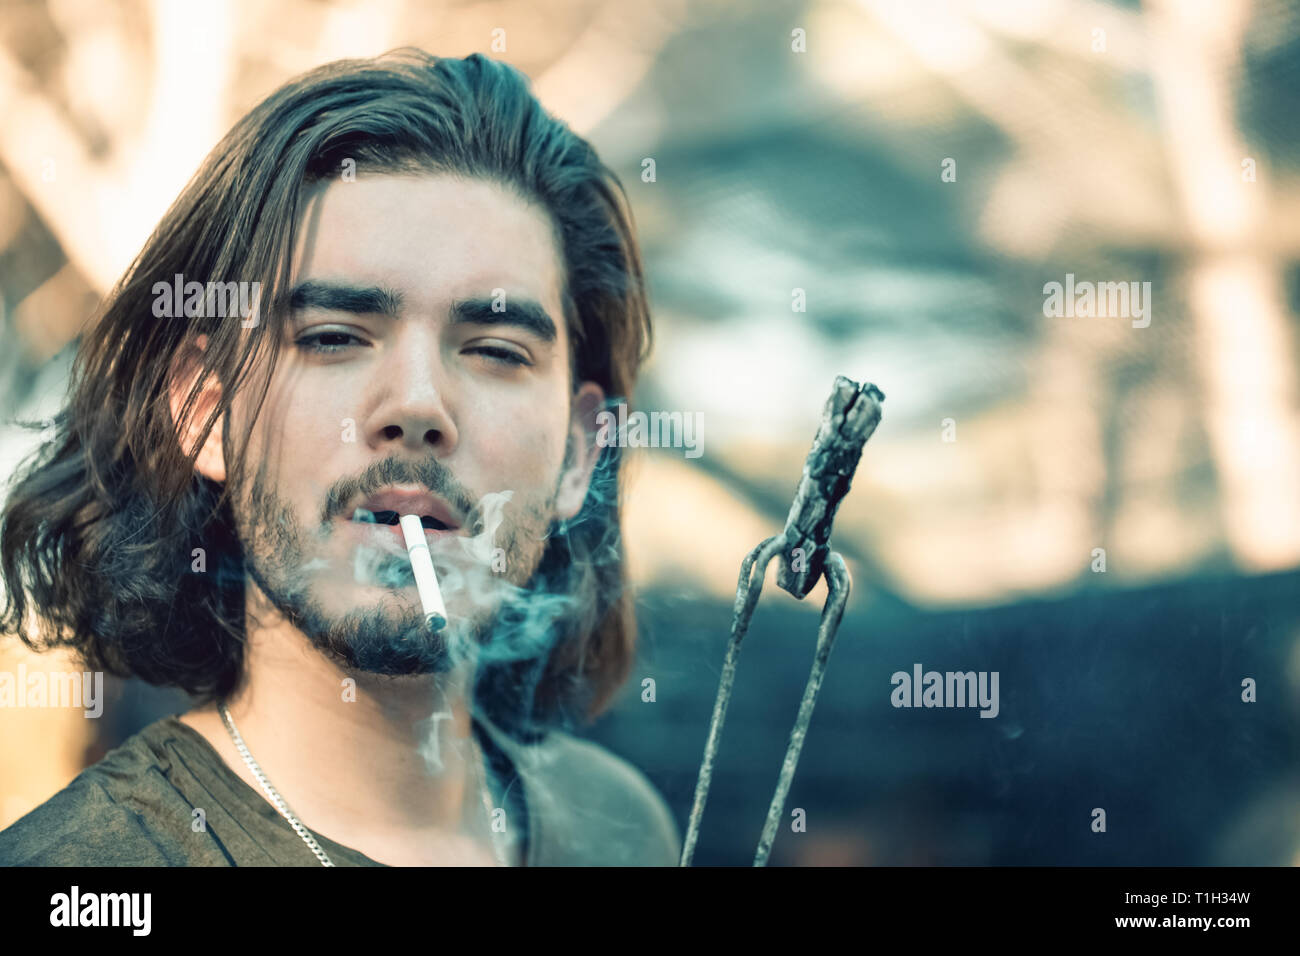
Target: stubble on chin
column 389, row 637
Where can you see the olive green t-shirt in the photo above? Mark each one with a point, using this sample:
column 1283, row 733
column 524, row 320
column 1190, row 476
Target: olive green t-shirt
column 583, row 806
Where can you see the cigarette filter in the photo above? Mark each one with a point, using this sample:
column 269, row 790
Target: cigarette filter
column 426, row 579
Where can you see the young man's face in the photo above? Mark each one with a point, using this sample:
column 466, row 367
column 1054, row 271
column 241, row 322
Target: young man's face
column 401, row 388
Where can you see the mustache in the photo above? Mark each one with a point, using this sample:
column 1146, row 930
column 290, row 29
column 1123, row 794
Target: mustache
column 428, row 472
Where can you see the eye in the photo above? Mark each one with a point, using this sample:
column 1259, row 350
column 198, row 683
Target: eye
column 503, row 356
column 326, row 343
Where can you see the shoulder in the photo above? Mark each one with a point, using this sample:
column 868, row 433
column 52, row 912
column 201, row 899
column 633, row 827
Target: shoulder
column 596, row 808
column 99, row 819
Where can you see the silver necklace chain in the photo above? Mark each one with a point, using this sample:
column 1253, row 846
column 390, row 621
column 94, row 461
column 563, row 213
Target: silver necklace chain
column 280, row 804
column 270, row 791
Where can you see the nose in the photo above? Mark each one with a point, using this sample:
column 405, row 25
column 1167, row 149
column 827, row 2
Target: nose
column 414, row 412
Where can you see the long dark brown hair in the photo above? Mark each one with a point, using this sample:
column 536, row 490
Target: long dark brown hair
column 99, row 524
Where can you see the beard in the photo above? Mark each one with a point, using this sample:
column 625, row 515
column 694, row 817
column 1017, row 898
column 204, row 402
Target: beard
column 390, row 636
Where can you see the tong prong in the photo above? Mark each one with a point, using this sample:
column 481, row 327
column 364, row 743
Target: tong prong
column 749, row 587
column 838, row 584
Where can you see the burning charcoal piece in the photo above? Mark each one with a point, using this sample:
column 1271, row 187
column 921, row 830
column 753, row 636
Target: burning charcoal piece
column 851, row 415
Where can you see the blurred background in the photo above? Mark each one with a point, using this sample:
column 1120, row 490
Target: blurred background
column 920, row 171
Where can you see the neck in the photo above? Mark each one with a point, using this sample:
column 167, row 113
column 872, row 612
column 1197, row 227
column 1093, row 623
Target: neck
column 384, row 765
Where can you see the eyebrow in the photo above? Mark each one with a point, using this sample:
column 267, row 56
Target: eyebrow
column 340, row 297
column 524, row 313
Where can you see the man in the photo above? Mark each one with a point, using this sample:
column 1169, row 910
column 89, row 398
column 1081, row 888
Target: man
column 397, row 287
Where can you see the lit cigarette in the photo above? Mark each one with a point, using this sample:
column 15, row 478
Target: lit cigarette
column 426, row 579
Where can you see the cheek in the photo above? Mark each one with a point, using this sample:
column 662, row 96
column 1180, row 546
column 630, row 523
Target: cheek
column 521, row 452
column 297, row 434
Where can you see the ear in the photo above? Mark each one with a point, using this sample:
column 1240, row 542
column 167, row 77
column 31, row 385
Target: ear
column 210, row 461
column 583, row 450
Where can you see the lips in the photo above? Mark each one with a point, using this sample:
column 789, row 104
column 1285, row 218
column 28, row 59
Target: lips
column 386, row 505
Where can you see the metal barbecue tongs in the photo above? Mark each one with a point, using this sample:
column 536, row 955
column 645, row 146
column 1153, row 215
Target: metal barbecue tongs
column 851, row 415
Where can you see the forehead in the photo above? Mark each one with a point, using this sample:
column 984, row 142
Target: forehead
column 434, row 238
